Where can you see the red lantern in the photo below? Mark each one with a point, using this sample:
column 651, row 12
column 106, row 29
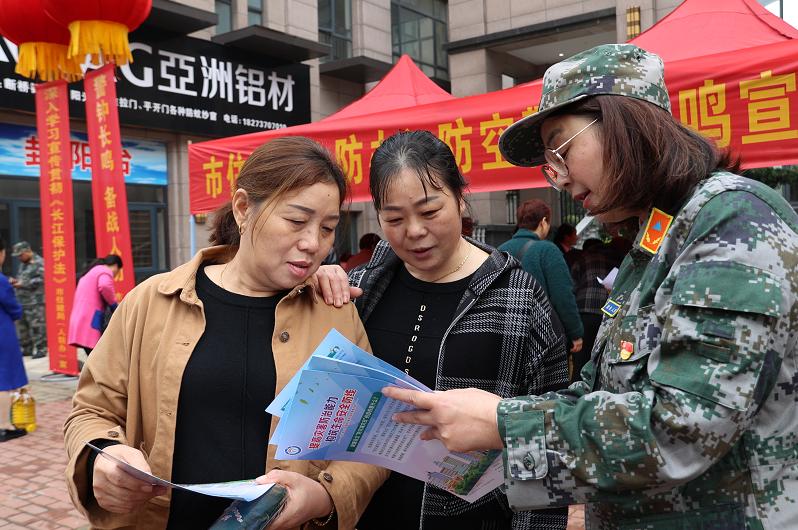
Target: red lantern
column 41, row 40
column 100, row 27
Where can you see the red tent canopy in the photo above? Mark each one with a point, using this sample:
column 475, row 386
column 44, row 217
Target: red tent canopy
column 744, row 99
column 705, row 27
column 404, row 86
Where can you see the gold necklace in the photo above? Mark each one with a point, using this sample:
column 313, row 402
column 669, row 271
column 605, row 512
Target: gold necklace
column 221, row 275
column 468, row 254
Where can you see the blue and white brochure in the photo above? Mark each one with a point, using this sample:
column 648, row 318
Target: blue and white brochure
column 338, row 412
column 336, row 346
column 353, row 359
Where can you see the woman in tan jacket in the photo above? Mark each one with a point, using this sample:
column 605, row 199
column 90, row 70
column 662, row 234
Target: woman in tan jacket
column 179, row 382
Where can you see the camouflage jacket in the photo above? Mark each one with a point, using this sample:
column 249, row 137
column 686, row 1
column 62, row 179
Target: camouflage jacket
column 31, row 279
column 697, row 428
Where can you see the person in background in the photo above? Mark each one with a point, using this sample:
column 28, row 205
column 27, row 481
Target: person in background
column 29, row 284
column 179, row 383
column 543, row 260
column 565, row 237
column 368, row 242
column 686, row 416
column 451, row 312
column 12, row 370
column 595, row 261
column 93, row 296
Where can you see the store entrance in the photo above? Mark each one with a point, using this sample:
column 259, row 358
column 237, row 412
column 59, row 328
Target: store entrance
column 20, row 220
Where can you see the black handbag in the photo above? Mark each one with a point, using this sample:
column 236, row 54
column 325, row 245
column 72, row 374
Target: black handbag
column 108, row 312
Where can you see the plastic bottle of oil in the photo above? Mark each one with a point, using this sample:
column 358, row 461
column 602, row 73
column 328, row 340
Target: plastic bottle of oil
column 23, row 411
column 14, row 394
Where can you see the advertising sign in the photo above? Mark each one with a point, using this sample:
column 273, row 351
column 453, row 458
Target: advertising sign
column 58, row 226
column 108, row 194
column 143, row 161
column 187, row 85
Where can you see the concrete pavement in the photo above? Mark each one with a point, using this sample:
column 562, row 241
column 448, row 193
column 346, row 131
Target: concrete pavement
column 33, row 493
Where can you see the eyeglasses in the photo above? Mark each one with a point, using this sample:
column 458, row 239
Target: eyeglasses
column 555, row 166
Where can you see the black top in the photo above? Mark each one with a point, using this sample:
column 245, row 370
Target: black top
column 406, row 330
column 222, row 427
column 505, row 342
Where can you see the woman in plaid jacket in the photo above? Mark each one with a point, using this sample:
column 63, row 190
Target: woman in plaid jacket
column 451, row 312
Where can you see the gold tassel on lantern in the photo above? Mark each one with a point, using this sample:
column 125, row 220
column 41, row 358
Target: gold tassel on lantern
column 100, row 37
column 47, row 61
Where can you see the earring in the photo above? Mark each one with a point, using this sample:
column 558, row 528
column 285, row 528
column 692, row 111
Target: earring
column 241, row 229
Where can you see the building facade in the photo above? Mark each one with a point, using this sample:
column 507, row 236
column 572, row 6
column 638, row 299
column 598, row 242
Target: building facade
column 216, row 68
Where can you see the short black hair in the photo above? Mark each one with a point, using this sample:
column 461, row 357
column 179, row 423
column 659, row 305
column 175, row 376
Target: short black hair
column 563, row 231
column 421, row 152
column 592, row 243
column 369, row 241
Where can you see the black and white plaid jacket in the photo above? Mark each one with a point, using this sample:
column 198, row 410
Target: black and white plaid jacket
column 510, row 312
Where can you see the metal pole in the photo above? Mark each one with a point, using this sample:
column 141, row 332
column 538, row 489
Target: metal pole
column 192, row 235
column 191, row 228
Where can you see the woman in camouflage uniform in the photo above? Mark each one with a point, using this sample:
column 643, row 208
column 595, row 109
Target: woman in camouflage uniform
column 685, row 416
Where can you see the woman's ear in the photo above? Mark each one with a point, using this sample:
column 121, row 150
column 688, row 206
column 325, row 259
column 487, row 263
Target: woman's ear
column 240, row 204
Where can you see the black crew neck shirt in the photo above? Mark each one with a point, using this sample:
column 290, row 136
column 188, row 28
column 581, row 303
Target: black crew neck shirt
column 406, row 330
column 222, row 427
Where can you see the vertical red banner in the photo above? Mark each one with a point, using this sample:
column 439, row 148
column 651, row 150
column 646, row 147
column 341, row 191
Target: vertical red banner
column 108, row 195
column 58, row 226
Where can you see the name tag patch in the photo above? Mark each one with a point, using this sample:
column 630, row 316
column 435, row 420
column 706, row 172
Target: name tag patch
column 611, row 308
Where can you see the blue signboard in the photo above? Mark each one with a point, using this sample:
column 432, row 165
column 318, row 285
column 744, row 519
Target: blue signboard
column 143, row 161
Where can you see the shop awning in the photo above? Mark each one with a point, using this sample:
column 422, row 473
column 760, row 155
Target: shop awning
column 404, row 86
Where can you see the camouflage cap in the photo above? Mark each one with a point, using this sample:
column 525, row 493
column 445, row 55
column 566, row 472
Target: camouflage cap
column 615, row 69
column 19, row 248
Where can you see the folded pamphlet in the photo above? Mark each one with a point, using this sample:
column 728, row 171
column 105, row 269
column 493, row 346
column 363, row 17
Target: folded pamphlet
column 245, row 490
column 335, row 410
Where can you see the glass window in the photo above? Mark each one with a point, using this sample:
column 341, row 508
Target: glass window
column 325, row 16
column 632, row 22
column 425, row 26
column 141, row 226
column 342, row 18
column 224, row 9
column 254, row 19
column 441, row 57
column 255, row 12
column 428, row 51
column 335, row 27
column 419, row 29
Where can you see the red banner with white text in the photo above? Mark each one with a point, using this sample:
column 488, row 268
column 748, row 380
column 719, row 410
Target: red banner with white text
column 108, row 195
column 745, row 100
column 58, row 226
